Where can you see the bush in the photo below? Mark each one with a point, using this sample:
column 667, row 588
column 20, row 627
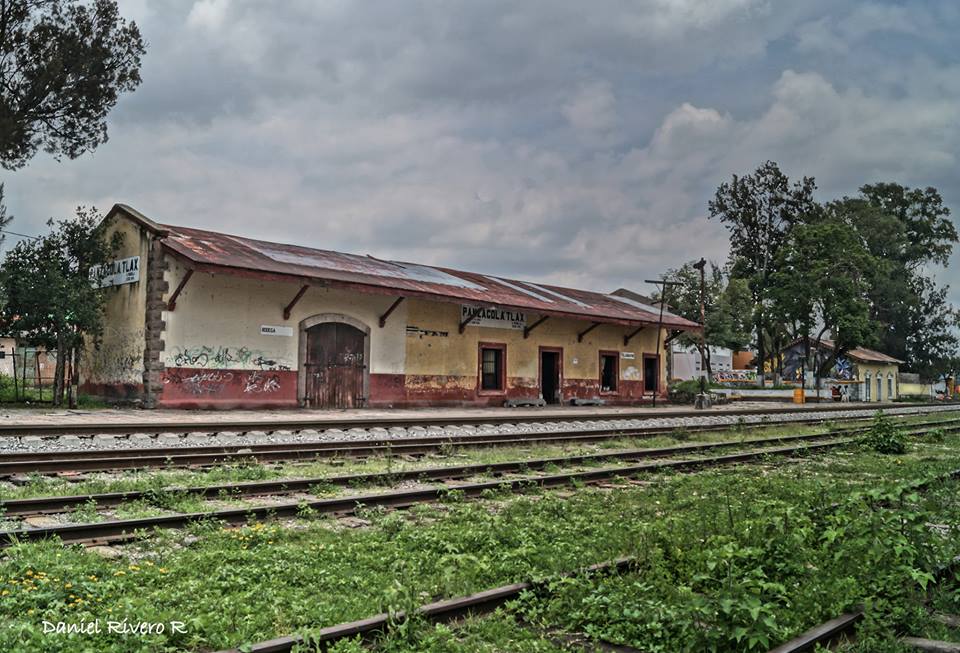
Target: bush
column 884, row 437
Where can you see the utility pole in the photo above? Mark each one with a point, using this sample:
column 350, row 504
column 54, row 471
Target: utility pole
column 702, row 400
column 663, row 300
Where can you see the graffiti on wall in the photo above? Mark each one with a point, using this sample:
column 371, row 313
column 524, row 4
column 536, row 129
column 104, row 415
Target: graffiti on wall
column 219, row 357
column 261, row 382
column 735, row 376
column 198, row 383
column 843, row 368
column 417, row 332
column 215, row 382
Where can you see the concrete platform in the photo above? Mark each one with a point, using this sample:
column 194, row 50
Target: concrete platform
column 16, row 416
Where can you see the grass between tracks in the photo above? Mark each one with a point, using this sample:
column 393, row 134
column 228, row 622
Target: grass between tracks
column 731, row 559
column 155, row 481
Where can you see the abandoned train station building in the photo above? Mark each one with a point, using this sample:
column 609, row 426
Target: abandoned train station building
column 208, row 320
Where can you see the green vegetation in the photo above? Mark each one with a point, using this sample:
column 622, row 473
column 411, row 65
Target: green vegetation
column 11, row 393
column 755, row 551
column 856, row 267
column 761, row 571
column 884, row 436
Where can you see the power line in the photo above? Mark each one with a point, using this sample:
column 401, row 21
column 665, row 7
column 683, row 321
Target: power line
column 14, row 233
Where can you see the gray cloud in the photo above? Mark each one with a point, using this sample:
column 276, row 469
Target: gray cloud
column 534, row 139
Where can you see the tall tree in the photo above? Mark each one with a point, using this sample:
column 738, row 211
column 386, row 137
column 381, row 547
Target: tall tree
column 5, row 218
column 908, row 232
column 758, row 210
column 820, row 287
column 63, row 64
column 727, row 308
column 52, row 291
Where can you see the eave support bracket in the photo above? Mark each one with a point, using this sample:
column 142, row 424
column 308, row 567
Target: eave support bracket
column 673, row 336
column 527, row 330
column 586, row 331
column 393, row 307
column 627, row 338
column 469, row 317
column 296, row 298
column 172, row 303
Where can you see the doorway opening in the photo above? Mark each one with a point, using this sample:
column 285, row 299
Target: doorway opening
column 609, row 372
column 334, row 365
column 551, row 365
column 651, row 373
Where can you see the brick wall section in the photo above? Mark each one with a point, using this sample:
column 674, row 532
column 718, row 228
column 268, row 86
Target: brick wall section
column 157, row 286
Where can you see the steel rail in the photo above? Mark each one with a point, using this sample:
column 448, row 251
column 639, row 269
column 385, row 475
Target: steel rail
column 599, row 432
column 64, row 503
column 246, row 426
column 170, row 457
column 438, row 612
column 488, row 600
column 834, row 630
column 386, row 443
column 122, row 530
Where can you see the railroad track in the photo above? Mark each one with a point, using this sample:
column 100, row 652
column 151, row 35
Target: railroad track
column 248, row 426
column 438, row 612
column 824, row 635
column 58, row 504
column 96, row 460
column 843, row 628
column 122, row 530
column 487, row 601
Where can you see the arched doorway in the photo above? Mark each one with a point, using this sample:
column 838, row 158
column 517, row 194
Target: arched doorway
column 334, row 354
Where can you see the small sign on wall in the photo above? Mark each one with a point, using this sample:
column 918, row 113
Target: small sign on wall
column 628, row 355
column 492, row 317
column 117, row 273
column 267, row 330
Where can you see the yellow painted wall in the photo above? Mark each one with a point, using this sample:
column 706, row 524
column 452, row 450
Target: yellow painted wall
column 863, row 369
column 119, row 359
column 217, row 321
column 915, row 389
column 456, row 354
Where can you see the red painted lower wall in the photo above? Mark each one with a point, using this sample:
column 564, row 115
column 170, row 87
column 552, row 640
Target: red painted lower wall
column 398, row 390
column 185, row 387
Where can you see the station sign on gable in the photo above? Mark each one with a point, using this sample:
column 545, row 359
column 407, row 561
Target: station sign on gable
column 117, row 273
column 492, row 317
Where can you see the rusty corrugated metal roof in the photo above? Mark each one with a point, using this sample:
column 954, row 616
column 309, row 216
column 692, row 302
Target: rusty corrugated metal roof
column 210, row 249
column 863, row 354
column 858, row 353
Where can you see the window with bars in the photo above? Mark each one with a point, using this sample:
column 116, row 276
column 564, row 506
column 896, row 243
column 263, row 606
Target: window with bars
column 492, row 374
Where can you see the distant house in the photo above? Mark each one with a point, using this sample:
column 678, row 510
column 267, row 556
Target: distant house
column 865, row 374
column 911, row 385
column 744, row 360
column 685, row 361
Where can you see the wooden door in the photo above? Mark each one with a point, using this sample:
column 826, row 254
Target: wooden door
column 335, row 366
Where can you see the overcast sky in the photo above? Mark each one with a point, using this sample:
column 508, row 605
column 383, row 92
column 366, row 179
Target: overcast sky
column 560, row 141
